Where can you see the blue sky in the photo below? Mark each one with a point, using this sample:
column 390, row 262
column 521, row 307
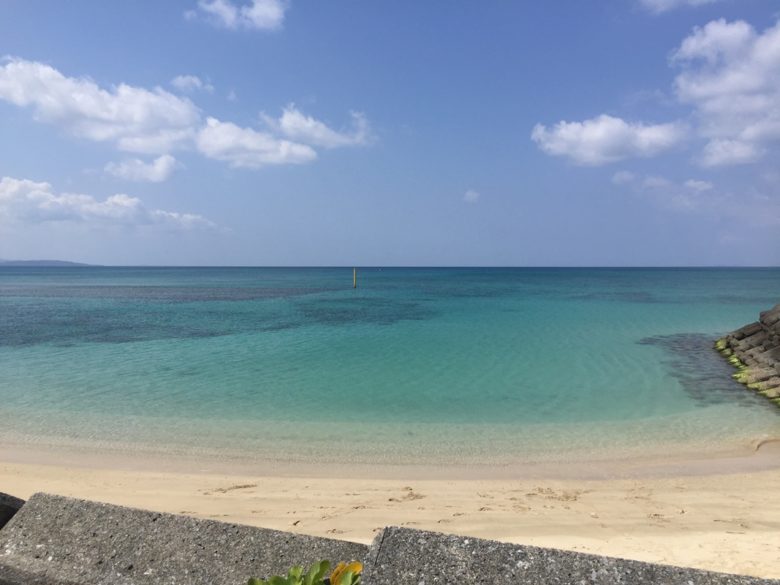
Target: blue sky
column 265, row 132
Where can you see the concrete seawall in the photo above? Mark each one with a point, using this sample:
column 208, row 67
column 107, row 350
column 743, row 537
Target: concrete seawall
column 53, row 540
column 755, row 351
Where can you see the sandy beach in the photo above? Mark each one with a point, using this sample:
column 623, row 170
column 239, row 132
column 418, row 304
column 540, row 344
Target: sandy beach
column 719, row 514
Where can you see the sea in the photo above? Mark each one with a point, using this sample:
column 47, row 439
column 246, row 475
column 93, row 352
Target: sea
column 416, row 366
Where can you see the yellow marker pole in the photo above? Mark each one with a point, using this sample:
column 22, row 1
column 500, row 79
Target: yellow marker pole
column 354, row 278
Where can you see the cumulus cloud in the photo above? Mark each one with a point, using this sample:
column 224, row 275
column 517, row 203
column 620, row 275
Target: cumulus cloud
column 191, row 83
column 660, row 6
column 606, row 139
column 730, row 75
column 302, row 128
column 35, row 202
column 137, row 170
column 249, row 148
column 258, row 14
column 471, row 196
column 133, row 118
column 156, row 122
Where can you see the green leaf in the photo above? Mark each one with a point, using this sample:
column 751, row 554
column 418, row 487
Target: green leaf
column 321, row 569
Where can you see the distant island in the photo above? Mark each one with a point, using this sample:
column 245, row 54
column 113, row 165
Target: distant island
column 40, row 263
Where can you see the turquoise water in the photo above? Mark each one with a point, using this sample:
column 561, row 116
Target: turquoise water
column 416, row 365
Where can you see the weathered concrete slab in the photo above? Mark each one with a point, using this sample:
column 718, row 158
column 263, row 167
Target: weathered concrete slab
column 62, row 541
column 402, row 555
column 9, row 506
column 755, row 351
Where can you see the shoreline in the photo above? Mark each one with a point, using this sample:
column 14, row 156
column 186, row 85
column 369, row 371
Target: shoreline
column 713, row 513
column 760, row 454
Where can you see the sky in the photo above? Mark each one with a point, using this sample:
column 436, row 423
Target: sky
column 403, row 133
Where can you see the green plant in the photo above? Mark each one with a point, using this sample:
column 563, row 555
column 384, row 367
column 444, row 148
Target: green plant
column 343, row 574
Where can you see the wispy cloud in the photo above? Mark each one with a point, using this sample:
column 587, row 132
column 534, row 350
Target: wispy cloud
column 156, row 171
column 471, row 196
column 26, row 201
column 249, row 148
column 257, row 14
column 752, row 208
column 661, row 6
column 191, row 83
column 297, row 126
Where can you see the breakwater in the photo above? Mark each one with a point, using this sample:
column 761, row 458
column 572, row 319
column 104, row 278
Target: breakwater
column 755, row 351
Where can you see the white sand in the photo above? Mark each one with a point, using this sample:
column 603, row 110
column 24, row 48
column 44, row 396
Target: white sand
column 722, row 520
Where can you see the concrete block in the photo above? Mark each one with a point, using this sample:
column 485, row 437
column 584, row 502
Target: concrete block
column 63, row 541
column 401, row 555
column 9, row 506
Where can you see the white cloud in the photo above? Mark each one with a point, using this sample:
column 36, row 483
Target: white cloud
column 721, row 152
column 190, row 83
column 606, row 139
column 35, row 202
column 748, row 209
column 137, row 170
column 731, row 77
column 133, row 118
column 471, row 196
column 249, row 148
column 698, row 185
column 297, row 126
column 258, row 14
column 156, row 122
column 623, row 177
column 660, row 6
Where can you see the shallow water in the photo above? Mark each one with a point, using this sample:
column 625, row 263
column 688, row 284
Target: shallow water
column 416, row 365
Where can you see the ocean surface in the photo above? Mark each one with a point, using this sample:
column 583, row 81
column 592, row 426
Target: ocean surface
column 414, row 366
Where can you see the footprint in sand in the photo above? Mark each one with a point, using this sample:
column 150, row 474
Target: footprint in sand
column 562, row 496
column 658, row 517
column 408, row 496
column 231, row 488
